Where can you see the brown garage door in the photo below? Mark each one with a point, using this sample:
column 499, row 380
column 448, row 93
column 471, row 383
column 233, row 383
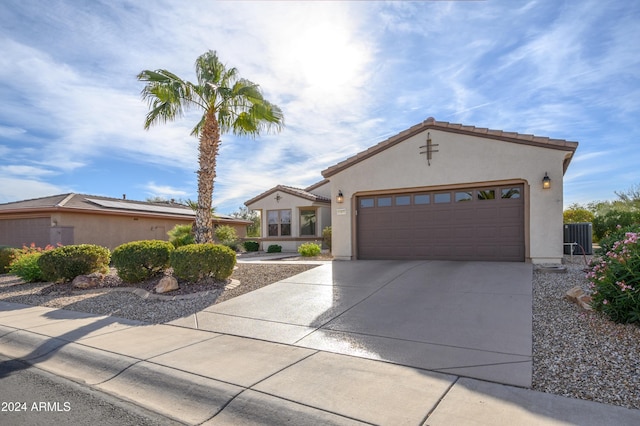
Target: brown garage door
column 463, row 224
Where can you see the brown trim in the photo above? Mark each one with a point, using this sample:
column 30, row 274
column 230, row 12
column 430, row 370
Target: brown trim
column 296, row 192
column 316, row 185
column 448, row 187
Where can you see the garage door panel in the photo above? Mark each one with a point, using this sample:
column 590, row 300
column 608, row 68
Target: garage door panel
column 463, row 232
column 476, row 229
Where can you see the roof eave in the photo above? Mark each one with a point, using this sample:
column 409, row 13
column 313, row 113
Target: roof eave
column 431, row 124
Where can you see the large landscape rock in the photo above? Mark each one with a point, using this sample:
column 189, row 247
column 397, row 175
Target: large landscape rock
column 577, row 296
column 87, row 281
column 166, row 284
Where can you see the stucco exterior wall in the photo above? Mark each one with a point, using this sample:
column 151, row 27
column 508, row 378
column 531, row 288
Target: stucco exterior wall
column 111, row 231
column 295, row 204
column 461, row 160
column 19, row 231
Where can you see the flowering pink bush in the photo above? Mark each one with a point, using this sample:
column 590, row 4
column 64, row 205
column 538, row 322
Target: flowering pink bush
column 25, row 262
column 615, row 280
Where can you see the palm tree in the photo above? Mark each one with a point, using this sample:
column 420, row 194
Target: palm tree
column 229, row 103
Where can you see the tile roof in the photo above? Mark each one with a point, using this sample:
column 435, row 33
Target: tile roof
column 99, row 204
column 310, row 188
column 431, row 124
column 298, row 192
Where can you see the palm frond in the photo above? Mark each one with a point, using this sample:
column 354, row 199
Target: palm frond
column 167, row 95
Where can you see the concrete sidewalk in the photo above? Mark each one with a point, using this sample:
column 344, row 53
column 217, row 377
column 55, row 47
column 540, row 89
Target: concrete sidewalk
column 202, row 377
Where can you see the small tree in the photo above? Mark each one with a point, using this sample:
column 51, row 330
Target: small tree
column 253, row 230
column 577, row 214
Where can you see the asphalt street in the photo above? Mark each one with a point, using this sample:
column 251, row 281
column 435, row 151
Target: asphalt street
column 29, row 396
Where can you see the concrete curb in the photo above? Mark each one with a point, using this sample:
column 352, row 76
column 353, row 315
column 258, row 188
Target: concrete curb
column 171, row 392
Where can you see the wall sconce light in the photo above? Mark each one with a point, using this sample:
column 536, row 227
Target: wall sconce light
column 340, row 197
column 546, row 182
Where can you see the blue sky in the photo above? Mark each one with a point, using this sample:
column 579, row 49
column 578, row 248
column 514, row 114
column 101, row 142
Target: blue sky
column 347, row 75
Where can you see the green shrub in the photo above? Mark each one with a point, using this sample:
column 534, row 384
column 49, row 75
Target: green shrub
column 326, row 237
column 139, row 260
column 7, row 254
column 607, row 223
column 274, row 248
column 181, row 235
column 251, row 245
column 197, row 261
column 615, row 280
column 309, row 249
column 577, row 214
column 226, row 234
column 26, row 267
column 66, row 263
column 607, row 242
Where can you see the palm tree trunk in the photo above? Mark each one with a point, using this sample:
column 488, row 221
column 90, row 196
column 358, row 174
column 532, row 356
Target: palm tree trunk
column 207, row 153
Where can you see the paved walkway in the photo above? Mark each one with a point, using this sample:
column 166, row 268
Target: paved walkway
column 285, row 353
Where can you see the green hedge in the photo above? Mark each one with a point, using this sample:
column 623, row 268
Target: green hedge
column 197, row 261
column 66, row 263
column 251, row 245
column 26, row 267
column 309, row 249
column 138, row 260
column 274, row 248
column 608, row 223
column 7, row 254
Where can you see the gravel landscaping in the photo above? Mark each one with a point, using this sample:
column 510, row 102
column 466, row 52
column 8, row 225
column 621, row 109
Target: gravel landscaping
column 110, row 301
column 581, row 354
column 576, row 353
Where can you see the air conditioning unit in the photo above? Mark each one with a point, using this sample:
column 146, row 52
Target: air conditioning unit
column 581, row 234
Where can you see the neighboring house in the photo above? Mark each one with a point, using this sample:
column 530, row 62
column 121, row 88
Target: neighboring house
column 292, row 216
column 79, row 219
column 448, row 191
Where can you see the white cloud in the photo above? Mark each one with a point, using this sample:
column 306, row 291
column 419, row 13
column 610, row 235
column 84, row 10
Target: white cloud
column 164, row 191
column 23, row 189
column 346, row 74
column 14, row 170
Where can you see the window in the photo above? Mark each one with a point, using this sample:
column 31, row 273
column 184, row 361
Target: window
column 486, row 194
column 422, row 199
column 403, row 200
column 366, row 202
column 464, row 196
column 442, row 197
column 510, row 192
column 384, row 201
column 279, row 222
column 308, row 222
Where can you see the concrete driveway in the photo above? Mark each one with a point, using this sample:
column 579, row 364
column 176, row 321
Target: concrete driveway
column 471, row 319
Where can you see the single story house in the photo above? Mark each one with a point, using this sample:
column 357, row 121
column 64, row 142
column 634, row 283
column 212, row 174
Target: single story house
column 292, row 216
column 89, row 219
column 448, row 191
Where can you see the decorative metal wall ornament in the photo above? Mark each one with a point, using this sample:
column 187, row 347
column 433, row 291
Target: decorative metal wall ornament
column 429, row 148
column 277, row 198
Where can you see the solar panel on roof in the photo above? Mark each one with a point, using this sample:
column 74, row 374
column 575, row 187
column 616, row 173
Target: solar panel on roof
column 142, row 207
